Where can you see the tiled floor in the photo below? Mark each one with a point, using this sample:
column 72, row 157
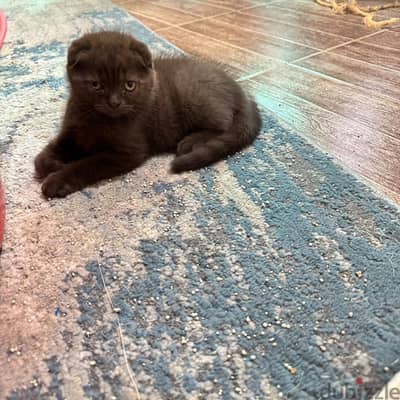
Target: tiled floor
column 331, row 78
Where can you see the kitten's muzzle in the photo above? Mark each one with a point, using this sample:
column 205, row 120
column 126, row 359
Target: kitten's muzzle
column 114, row 102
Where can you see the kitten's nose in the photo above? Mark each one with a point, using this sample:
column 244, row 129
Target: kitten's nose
column 114, row 101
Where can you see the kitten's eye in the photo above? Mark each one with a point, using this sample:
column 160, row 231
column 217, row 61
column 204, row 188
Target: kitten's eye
column 96, row 85
column 130, row 86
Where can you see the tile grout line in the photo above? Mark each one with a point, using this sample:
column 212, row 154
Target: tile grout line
column 251, row 76
column 294, row 25
column 382, row 67
column 296, row 11
column 249, row 30
column 379, row 46
column 381, row 131
column 231, row 45
column 138, row 13
column 173, row 8
column 254, row 74
column 196, row 19
column 348, row 84
column 214, row 5
column 260, row 3
column 338, row 45
column 228, row 11
column 177, row 25
column 155, row 2
column 168, row 8
column 155, row 33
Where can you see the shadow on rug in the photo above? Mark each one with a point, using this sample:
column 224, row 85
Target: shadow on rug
column 273, row 275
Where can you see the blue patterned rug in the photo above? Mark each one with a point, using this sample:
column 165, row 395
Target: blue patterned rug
column 273, row 275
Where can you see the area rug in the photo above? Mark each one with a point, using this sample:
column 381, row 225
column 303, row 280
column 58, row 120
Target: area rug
column 272, row 275
column 2, row 214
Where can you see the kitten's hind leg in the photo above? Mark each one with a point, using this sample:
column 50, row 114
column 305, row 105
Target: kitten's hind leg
column 209, row 146
column 187, row 144
column 205, row 152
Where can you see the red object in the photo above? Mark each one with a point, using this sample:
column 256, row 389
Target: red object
column 3, row 28
column 359, row 380
column 2, row 213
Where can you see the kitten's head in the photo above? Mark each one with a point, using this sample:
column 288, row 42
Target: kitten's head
column 110, row 72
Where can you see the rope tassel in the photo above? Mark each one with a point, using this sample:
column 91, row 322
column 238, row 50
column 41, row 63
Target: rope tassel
column 368, row 12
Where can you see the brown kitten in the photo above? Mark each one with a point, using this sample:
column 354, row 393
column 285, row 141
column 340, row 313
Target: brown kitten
column 124, row 108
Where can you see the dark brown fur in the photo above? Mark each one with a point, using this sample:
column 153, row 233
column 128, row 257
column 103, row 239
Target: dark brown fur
column 180, row 104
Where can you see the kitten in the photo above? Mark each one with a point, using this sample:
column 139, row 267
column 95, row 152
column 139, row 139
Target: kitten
column 124, row 108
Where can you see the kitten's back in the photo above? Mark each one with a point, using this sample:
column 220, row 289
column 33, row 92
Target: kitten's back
column 201, row 86
column 187, row 72
column 209, row 106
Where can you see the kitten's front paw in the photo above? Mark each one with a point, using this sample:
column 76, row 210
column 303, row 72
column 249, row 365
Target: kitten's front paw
column 56, row 185
column 45, row 165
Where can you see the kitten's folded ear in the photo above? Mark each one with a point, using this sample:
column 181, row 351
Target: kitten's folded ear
column 77, row 52
column 144, row 53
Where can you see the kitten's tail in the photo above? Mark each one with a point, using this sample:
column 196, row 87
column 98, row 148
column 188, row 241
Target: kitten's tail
column 245, row 128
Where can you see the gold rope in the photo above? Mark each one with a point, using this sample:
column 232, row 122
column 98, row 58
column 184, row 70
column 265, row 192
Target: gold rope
column 369, row 12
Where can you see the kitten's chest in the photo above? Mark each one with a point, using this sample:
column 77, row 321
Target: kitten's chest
column 99, row 136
